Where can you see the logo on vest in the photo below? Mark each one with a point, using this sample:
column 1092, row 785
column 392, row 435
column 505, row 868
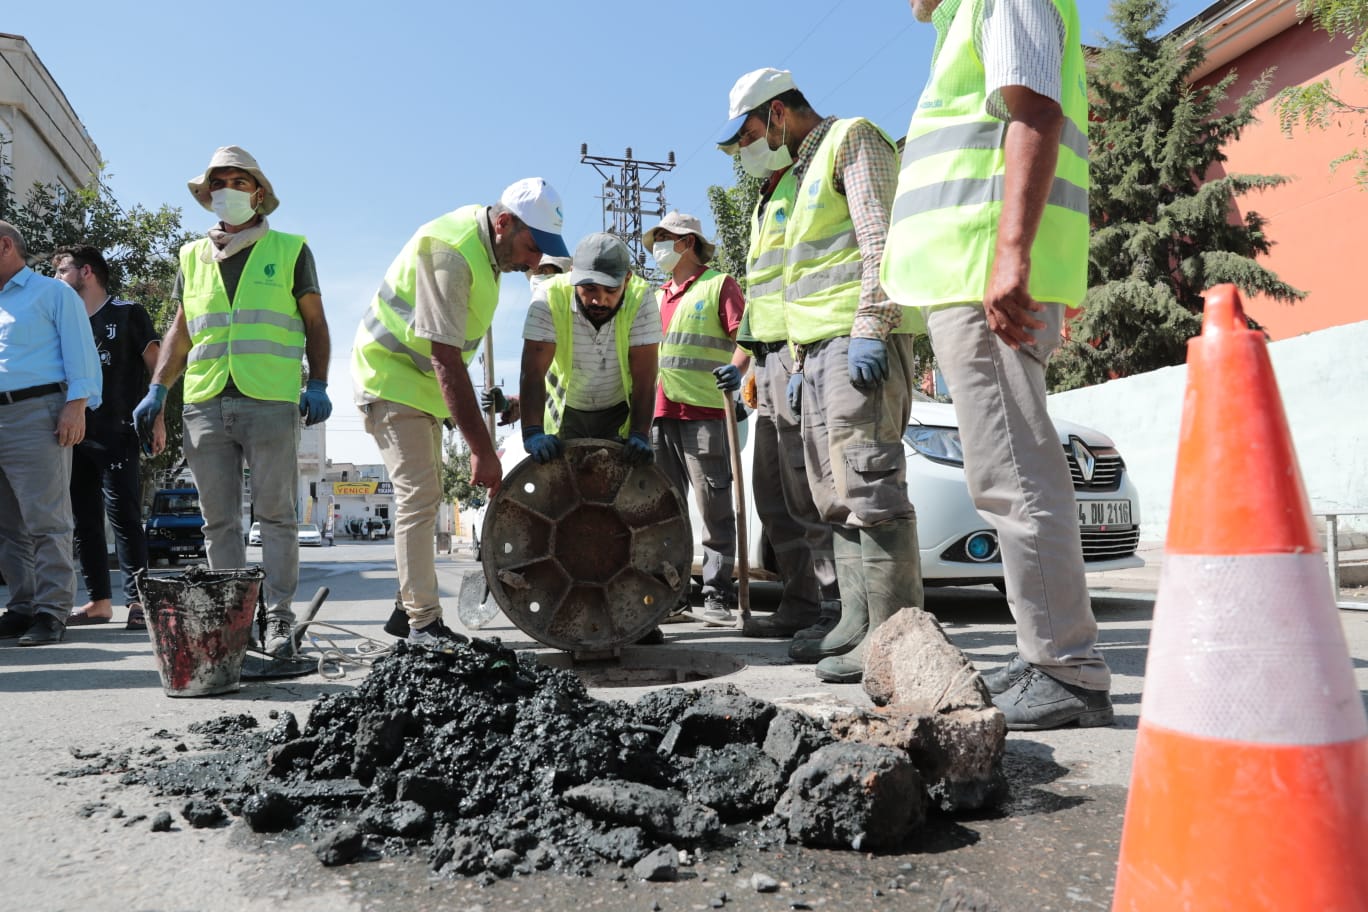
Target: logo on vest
column 270, row 270
column 698, row 306
column 780, row 216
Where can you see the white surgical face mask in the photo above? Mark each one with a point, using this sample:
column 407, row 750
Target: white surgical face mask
column 764, row 161
column 233, row 207
column 665, row 255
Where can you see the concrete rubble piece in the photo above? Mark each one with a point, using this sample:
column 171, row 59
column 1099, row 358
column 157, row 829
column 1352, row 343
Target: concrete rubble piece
column 936, row 709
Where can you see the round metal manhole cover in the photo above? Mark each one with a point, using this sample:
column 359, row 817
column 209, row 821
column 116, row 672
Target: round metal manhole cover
column 586, row 553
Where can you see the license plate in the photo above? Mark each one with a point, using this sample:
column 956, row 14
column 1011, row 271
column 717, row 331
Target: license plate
column 1094, row 514
column 183, row 549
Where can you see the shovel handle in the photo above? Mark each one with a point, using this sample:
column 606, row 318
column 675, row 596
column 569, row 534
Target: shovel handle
column 739, row 486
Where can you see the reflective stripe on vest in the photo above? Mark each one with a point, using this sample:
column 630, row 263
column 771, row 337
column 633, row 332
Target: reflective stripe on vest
column 823, row 268
column 942, row 238
column 389, row 360
column 560, row 297
column 257, row 339
column 765, row 272
column 695, row 343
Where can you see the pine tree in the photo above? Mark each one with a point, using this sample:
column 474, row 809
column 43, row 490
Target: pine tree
column 1160, row 204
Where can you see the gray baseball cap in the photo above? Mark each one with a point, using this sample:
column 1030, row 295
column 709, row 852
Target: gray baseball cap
column 601, row 259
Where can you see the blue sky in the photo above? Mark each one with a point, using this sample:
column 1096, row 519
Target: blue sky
column 370, row 119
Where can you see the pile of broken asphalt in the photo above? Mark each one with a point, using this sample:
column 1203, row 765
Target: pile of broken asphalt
column 487, row 764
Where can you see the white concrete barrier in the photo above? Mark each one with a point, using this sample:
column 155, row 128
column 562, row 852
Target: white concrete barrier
column 1323, row 377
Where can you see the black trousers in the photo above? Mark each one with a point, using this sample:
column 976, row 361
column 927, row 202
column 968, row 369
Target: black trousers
column 104, row 478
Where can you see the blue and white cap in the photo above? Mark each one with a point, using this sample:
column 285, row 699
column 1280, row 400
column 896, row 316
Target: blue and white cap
column 750, row 92
column 539, row 206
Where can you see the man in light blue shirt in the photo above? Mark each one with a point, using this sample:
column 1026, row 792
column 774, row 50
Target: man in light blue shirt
column 49, row 373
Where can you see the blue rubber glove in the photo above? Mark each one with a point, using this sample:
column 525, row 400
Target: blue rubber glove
column 145, row 415
column 493, row 398
column 795, row 393
column 541, row 446
column 868, row 363
column 638, row 449
column 728, row 377
column 314, row 403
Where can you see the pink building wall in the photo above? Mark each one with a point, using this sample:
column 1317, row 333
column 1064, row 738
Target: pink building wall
column 1318, row 221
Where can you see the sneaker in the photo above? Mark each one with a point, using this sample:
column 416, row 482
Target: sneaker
column 1000, row 679
column 280, row 636
column 435, row 635
column 1036, row 702
column 715, row 613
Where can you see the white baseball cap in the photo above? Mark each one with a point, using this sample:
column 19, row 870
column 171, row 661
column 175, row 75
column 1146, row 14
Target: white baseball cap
column 539, row 206
column 750, row 92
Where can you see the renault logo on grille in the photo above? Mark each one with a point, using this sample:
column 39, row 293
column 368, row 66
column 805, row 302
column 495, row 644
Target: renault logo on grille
column 1087, row 462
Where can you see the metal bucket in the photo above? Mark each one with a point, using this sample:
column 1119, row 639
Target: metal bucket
column 200, row 623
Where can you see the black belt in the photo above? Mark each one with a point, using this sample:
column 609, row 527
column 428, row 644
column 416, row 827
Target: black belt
column 762, row 350
column 29, row 392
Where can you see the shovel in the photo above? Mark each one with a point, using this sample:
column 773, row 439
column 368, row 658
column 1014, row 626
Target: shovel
column 739, row 484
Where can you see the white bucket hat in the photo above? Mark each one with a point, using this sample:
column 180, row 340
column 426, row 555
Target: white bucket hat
column 233, row 157
column 679, row 223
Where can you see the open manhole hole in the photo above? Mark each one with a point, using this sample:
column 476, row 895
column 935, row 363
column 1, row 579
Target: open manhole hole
column 646, row 666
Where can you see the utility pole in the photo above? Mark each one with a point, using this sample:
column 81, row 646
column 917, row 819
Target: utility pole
column 626, row 181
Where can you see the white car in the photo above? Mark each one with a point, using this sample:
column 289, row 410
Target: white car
column 958, row 546
column 254, row 534
column 310, row 536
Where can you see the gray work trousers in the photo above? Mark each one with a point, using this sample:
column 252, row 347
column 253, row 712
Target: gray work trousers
column 695, row 454
column 1019, row 479
column 35, row 508
column 853, row 440
column 223, row 433
column 783, row 499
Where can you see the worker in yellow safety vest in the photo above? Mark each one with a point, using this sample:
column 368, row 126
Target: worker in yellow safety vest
column 700, row 311
column 990, row 238
column 249, row 313
column 854, row 371
column 589, row 355
column 424, row 325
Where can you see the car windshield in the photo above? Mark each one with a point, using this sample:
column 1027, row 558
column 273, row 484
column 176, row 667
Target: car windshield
column 308, row 527
column 178, row 504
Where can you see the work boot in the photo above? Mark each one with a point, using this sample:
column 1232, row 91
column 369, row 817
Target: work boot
column 854, row 620
column 279, row 640
column 892, row 580
column 1036, row 702
column 785, row 622
column 44, row 631
column 828, row 615
column 14, row 624
column 999, row 680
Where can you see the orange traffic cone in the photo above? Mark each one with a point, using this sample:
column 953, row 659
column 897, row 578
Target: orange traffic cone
column 1250, row 784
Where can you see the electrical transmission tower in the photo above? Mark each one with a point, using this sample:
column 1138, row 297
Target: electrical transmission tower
column 625, row 182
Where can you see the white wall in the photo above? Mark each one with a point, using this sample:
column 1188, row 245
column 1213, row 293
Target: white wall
column 47, row 142
column 1324, row 381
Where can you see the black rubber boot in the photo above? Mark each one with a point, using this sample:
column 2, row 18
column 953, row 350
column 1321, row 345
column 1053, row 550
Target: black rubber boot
column 854, row 622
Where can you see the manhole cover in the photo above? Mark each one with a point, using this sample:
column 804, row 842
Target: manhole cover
column 586, row 553
column 647, row 666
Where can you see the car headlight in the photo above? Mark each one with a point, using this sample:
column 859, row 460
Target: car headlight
column 939, row 444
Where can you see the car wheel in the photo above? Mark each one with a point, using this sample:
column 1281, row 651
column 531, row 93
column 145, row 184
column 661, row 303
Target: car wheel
column 173, row 561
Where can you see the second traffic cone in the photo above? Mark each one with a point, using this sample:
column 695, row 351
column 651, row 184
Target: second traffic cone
column 1249, row 789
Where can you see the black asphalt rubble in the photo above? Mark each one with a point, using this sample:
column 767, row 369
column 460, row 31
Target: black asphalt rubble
column 489, row 764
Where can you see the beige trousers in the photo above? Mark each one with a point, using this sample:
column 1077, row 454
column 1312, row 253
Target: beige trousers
column 410, row 442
